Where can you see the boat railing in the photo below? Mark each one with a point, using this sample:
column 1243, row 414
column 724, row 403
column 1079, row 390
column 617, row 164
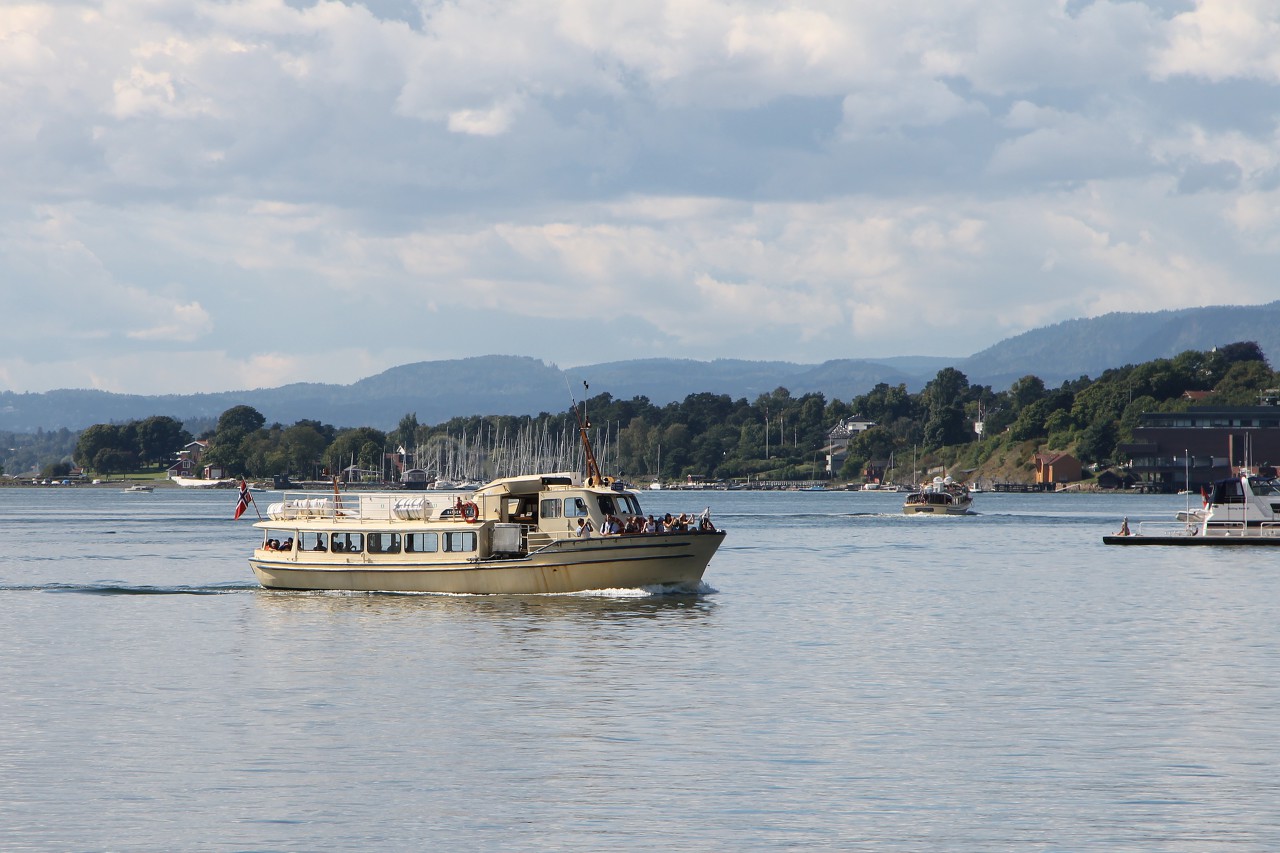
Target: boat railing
column 1167, row 528
column 1268, row 529
column 370, row 506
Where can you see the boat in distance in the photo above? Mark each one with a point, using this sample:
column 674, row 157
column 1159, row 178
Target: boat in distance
column 943, row 496
column 516, row 535
column 1241, row 510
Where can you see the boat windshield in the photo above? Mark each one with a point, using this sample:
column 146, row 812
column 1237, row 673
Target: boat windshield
column 1264, row 486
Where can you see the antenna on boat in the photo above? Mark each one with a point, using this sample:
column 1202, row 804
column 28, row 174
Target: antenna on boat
column 584, row 424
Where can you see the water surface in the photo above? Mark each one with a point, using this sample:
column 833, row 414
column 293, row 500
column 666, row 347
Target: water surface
column 849, row 679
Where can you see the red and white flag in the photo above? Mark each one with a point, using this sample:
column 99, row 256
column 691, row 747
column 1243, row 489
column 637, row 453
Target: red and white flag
column 245, row 497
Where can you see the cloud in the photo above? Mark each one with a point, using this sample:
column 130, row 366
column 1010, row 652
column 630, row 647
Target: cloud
column 1222, row 40
column 576, row 181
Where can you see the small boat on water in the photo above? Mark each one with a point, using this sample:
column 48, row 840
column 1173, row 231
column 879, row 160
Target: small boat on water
column 1242, row 510
column 943, row 496
column 541, row 533
column 139, row 487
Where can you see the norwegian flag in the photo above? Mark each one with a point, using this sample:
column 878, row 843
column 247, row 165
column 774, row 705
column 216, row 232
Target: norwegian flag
column 245, row 498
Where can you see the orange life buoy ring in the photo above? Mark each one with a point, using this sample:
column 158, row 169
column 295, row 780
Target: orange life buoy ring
column 470, row 512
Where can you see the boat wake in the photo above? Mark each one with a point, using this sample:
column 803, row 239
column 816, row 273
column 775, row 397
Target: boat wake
column 651, row 591
column 109, row 588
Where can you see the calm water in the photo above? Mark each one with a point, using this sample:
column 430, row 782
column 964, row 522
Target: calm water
column 851, row 679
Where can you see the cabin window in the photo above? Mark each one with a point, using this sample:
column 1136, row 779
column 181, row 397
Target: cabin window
column 606, row 504
column 347, row 543
column 421, row 543
column 551, row 508
column 461, row 541
column 384, row 543
column 575, row 507
column 278, row 540
column 311, row 541
column 629, row 505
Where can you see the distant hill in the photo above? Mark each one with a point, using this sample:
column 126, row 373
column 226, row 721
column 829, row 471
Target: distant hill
column 1076, row 348
column 496, row 384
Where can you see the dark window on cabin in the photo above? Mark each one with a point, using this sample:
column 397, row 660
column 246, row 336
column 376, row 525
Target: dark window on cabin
column 551, row 508
column 384, row 543
column 421, row 543
column 309, row 541
column 458, row 542
column 352, row 543
column 606, row 505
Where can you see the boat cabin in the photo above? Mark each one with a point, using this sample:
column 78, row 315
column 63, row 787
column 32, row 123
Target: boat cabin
column 506, row 518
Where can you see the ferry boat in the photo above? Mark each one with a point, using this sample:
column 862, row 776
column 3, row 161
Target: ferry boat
column 515, row 535
column 1241, row 510
column 943, row 496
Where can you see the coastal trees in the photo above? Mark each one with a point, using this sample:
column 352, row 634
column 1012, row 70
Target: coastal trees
column 715, row 436
column 945, row 400
column 361, row 446
column 230, row 445
column 120, row 448
column 159, row 438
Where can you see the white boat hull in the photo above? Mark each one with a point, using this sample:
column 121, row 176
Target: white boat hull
column 574, row 565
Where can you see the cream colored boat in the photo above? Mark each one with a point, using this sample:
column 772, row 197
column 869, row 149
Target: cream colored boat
column 517, row 535
column 941, row 497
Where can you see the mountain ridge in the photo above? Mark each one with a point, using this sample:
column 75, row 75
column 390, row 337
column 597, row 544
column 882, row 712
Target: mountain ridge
column 517, row 385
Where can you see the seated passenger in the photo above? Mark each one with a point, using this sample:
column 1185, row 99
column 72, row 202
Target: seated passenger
column 650, row 526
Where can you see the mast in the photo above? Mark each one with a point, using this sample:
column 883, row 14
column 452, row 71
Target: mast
column 584, row 424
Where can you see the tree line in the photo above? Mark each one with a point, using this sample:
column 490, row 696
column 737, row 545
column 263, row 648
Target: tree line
column 775, row 437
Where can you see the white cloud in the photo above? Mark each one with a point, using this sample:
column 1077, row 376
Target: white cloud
column 1223, row 39
column 697, row 178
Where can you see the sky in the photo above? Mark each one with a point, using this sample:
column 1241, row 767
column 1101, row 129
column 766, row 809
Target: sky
column 206, row 196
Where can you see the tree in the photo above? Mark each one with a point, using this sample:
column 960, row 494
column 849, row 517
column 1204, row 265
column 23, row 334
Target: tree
column 303, row 447
column 160, row 438
column 406, row 434
column 115, row 461
column 244, row 419
column 1025, row 391
column 1097, row 442
column 946, row 424
column 94, row 440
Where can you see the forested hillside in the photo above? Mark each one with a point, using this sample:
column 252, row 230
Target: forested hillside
column 775, row 436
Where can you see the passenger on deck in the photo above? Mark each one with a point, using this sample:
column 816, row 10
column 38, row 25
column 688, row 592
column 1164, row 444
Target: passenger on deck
column 584, row 528
column 650, row 526
column 632, row 526
column 612, row 526
column 705, row 526
column 660, row 525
